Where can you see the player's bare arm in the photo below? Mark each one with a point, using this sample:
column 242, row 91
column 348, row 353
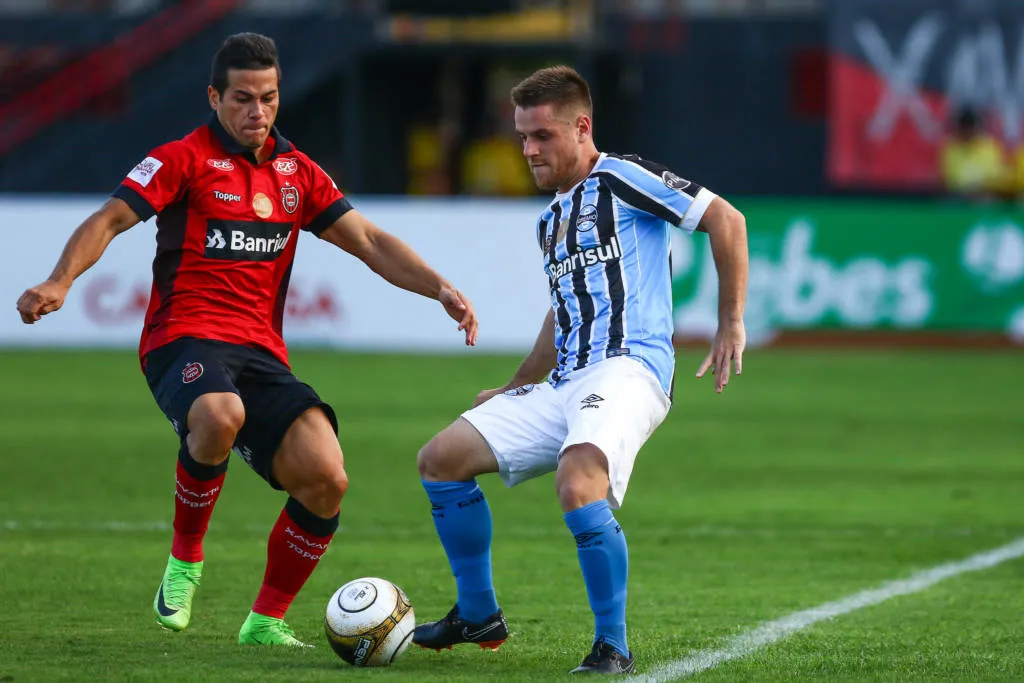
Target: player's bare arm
column 538, row 362
column 396, row 262
column 83, row 249
column 727, row 229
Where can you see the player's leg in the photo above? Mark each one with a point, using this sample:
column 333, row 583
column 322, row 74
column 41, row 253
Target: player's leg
column 612, row 410
column 518, row 435
column 449, row 465
column 290, row 439
column 192, row 383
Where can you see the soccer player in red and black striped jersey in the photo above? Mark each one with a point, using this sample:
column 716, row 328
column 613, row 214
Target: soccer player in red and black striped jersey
column 230, row 199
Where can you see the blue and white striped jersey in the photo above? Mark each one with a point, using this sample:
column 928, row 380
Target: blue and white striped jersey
column 606, row 253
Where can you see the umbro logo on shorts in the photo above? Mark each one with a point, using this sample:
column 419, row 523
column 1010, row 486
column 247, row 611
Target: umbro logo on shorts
column 591, row 401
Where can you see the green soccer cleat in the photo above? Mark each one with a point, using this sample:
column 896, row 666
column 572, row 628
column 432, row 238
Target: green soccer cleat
column 260, row 629
column 173, row 602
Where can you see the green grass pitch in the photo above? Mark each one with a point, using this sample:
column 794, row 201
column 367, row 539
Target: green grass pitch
column 814, row 476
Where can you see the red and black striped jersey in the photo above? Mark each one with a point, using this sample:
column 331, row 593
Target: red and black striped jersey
column 226, row 233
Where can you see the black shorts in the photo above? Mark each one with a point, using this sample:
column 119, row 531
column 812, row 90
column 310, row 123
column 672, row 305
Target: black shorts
column 183, row 370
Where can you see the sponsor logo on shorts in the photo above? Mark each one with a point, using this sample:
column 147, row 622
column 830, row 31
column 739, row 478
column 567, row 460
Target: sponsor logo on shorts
column 520, row 391
column 221, row 164
column 290, row 198
column 286, row 166
column 192, row 372
column 591, row 402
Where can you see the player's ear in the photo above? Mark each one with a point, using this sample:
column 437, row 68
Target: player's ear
column 214, row 96
column 583, row 127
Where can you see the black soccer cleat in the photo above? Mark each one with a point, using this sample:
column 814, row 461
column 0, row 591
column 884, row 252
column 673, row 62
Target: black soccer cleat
column 605, row 659
column 453, row 630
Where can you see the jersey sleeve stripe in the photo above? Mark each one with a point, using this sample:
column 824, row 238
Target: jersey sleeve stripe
column 327, row 217
column 696, row 211
column 136, row 201
column 639, row 199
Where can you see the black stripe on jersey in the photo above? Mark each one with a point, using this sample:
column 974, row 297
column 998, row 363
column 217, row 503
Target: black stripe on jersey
column 170, row 242
column 561, row 312
column 634, row 197
column 659, row 170
column 579, row 282
column 542, row 231
column 612, row 269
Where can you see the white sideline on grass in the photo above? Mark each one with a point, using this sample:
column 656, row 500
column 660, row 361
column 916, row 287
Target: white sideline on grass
column 772, row 631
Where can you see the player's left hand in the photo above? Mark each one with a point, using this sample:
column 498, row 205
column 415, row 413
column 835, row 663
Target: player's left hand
column 460, row 309
column 730, row 340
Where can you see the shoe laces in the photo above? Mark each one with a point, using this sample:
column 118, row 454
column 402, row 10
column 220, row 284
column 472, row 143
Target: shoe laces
column 452, row 616
column 601, row 650
column 178, row 588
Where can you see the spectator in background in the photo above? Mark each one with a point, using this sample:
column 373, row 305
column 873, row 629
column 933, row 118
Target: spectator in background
column 492, row 162
column 972, row 159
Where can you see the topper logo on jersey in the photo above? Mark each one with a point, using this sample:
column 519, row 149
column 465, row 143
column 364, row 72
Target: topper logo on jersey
column 246, row 240
column 286, row 166
column 590, row 256
column 227, row 197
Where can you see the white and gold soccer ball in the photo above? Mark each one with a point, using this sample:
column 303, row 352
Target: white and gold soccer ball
column 369, row 622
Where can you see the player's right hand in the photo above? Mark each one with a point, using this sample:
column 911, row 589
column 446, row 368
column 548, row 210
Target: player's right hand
column 488, row 394
column 44, row 298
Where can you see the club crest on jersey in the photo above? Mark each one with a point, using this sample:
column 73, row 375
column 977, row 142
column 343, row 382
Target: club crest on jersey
column 191, row 372
column 221, row 164
column 286, row 166
column 290, row 198
column 587, row 219
column 673, row 181
column 520, row 391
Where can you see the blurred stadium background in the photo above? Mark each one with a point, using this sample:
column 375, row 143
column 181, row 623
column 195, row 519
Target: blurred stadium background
column 877, row 150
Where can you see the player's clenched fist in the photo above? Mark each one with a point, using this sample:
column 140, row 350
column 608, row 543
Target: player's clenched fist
column 44, row 298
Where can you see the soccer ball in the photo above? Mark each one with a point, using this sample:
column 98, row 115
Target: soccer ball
column 369, row 622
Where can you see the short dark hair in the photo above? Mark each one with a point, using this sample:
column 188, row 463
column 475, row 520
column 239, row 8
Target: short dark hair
column 250, row 51
column 558, row 85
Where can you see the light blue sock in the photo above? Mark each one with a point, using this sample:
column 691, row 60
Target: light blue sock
column 463, row 522
column 604, row 559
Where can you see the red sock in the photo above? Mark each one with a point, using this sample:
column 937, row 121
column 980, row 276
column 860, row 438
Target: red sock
column 292, row 554
column 193, row 505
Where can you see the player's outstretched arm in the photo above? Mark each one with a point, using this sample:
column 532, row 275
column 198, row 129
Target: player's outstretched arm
column 538, row 363
column 83, row 249
column 727, row 229
column 396, row 262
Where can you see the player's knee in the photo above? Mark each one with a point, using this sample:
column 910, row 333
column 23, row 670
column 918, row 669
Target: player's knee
column 213, row 425
column 430, row 462
column 582, row 477
column 322, row 495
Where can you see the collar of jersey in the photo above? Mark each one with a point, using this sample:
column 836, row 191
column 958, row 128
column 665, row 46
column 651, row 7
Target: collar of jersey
column 231, row 146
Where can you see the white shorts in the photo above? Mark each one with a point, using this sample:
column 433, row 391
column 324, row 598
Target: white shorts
column 615, row 404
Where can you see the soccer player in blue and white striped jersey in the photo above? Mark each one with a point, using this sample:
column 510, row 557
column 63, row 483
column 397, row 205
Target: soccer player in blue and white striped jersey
column 605, row 350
